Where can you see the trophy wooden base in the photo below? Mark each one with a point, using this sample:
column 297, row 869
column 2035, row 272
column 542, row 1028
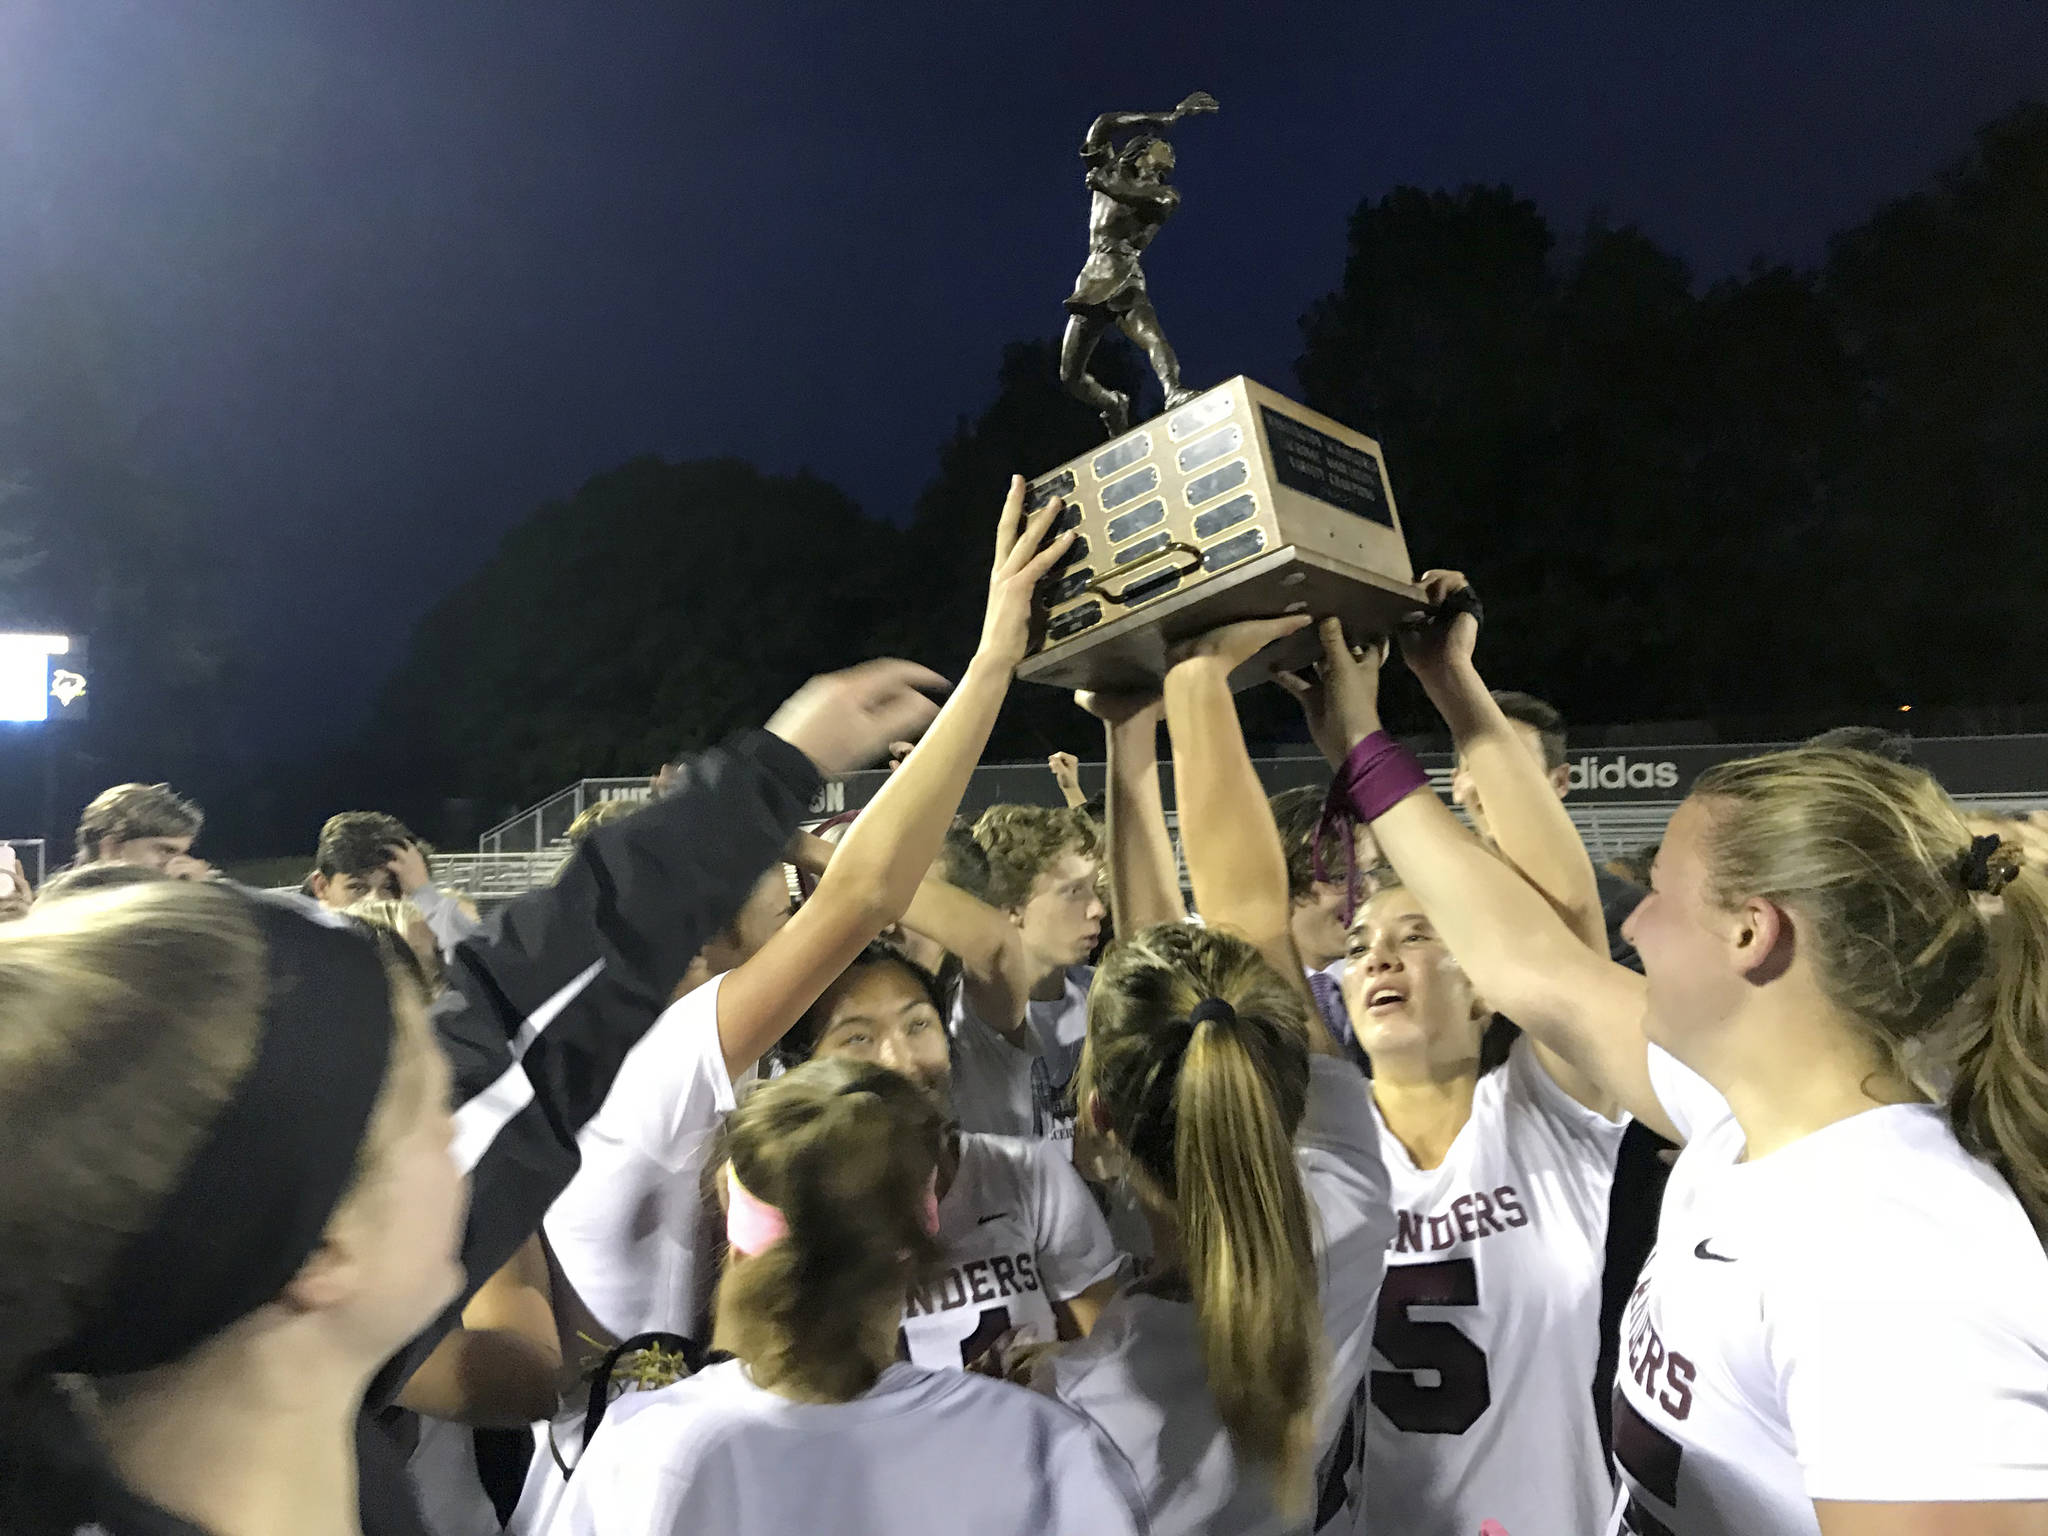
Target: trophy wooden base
column 1241, row 504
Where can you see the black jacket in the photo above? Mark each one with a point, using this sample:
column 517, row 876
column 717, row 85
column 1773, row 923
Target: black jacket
column 544, row 1004
column 547, row 1000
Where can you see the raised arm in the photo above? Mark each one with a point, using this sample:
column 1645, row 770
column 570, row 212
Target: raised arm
column 1096, row 147
column 886, row 853
column 1233, row 848
column 545, row 1003
column 1520, row 955
column 1144, row 879
column 1530, row 826
column 995, row 972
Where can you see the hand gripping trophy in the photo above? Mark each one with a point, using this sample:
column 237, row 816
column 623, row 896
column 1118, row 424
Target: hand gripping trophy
column 1131, row 200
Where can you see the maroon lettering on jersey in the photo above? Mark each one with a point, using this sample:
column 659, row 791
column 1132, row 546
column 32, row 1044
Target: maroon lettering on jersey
column 1006, row 1275
column 1409, row 1234
column 1440, row 1234
column 1461, row 1208
column 979, row 1287
column 1676, row 1398
column 952, row 1292
column 1482, row 1206
column 1027, row 1272
column 1511, row 1206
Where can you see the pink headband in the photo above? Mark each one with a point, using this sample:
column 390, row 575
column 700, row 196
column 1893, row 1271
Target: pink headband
column 752, row 1225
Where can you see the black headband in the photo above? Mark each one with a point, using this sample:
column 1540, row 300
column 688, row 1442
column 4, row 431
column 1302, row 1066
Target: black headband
column 252, row 1204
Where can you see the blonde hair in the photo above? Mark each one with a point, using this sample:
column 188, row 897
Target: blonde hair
column 1869, row 855
column 1208, row 1113
column 1023, row 841
column 128, row 1018
column 846, row 1151
column 602, row 814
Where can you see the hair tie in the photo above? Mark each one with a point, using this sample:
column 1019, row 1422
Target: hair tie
column 1213, row 1008
column 1989, row 866
column 752, row 1225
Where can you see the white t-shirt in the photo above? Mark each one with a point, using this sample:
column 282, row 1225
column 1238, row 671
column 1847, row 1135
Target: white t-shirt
column 632, row 1234
column 445, row 1478
column 1140, row 1374
column 1010, row 1090
column 1859, row 1316
column 1020, row 1232
column 1489, row 1321
column 922, row 1453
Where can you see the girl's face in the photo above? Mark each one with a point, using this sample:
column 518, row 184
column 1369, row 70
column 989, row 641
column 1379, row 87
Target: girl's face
column 882, row 1013
column 1407, row 996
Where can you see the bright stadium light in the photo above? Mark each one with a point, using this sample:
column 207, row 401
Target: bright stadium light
column 42, row 677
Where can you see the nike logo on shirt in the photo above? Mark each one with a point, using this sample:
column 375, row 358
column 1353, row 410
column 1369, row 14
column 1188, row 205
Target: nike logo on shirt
column 1703, row 1252
column 984, row 1221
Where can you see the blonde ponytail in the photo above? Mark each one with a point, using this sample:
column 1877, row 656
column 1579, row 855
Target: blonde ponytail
column 1249, row 1243
column 1999, row 1101
column 1197, row 1056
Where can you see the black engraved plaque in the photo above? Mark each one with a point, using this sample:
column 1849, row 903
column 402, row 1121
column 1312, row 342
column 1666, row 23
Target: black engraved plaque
column 1318, row 465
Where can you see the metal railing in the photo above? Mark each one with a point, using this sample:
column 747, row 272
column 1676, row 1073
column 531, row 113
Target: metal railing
column 546, row 825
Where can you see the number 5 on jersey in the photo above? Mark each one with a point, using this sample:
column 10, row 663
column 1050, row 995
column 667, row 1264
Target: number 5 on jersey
column 1422, row 1348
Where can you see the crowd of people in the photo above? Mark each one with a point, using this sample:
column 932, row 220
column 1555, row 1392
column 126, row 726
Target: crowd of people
column 1398, row 1172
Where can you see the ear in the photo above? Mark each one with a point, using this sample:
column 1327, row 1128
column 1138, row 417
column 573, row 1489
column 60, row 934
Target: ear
column 328, row 1279
column 1015, row 915
column 108, row 850
column 1561, row 779
column 318, row 883
column 1762, row 941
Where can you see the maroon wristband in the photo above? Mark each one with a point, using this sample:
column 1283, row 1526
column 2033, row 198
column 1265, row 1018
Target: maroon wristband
column 1378, row 775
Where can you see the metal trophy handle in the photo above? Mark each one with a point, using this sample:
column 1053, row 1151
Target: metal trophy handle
column 1136, row 591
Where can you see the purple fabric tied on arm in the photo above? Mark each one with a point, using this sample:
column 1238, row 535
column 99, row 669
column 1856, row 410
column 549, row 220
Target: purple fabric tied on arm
column 1378, row 775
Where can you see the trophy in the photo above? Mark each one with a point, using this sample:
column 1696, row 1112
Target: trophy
column 1235, row 503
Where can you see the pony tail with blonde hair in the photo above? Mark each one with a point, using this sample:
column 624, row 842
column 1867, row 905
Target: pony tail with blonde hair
column 1249, row 1242
column 1197, row 1054
column 1999, row 1101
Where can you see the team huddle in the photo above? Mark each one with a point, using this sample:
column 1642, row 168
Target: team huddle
column 1414, row 1178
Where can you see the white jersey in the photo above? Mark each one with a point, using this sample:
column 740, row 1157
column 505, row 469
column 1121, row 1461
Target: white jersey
column 633, row 1233
column 1010, row 1090
column 922, row 1453
column 633, row 1236
column 1140, row 1374
column 444, row 1476
column 1859, row 1316
column 1488, row 1337
column 1019, row 1232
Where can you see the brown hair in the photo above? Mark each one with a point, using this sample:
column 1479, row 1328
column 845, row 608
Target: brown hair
column 1023, row 841
column 130, row 811
column 1208, row 1113
column 1296, row 815
column 846, row 1151
column 358, row 842
column 1870, row 857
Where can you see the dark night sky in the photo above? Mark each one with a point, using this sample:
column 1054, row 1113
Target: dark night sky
column 381, row 275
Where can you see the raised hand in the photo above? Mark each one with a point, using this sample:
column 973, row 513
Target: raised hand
column 1066, row 771
column 1121, row 708
column 1341, row 697
column 847, row 720
column 1432, row 648
column 1201, row 101
column 407, row 867
column 1236, row 644
column 1013, row 580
